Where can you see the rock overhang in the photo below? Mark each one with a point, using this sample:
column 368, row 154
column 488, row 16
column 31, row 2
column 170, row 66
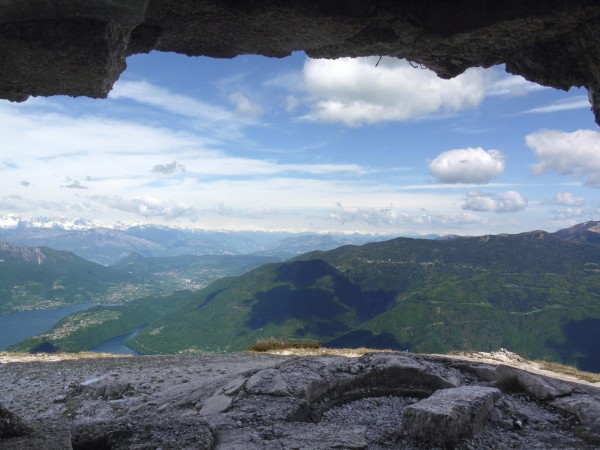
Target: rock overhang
column 79, row 47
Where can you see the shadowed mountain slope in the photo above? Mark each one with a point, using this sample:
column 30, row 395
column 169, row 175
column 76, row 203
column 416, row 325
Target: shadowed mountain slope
column 523, row 292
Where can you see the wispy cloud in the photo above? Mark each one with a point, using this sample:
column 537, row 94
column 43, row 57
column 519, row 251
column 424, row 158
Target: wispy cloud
column 147, row 206
column 453, row 186
column 569, row 214
column 244, row 106
column 159, row 97
column 512, row 86
column 110, row 149
column 32, row 206
column 394, row 216
column 222, row 124
column 578, row 102
column 223, row 209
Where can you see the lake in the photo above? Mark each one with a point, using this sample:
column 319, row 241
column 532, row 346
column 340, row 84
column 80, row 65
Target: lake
column 117, row 346
column 17, row 326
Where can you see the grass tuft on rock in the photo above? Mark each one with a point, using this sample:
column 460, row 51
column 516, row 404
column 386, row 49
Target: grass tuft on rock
column 271, row 344
column 569, row 370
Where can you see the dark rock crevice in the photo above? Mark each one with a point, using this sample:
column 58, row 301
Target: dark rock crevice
column 79, row 47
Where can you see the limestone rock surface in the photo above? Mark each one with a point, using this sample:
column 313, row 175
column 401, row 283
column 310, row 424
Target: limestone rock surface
column 48, row 437
column 11, row 425
column 248, row 401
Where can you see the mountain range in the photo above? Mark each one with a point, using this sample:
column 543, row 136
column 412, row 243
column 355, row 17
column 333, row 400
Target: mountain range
column 108, row 245
column 535, row 293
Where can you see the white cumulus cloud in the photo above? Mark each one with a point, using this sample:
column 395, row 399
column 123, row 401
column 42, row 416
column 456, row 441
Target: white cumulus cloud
column 510, row 201
column 354, row 91
column 467, row 165
column 575, row 154
column 565, row 199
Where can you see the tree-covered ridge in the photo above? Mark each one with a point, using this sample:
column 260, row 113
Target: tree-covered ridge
column 38, row 277
column 524, row 292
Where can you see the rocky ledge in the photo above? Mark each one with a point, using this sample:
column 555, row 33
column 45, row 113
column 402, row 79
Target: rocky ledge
column 248, row 401
column 78, row 47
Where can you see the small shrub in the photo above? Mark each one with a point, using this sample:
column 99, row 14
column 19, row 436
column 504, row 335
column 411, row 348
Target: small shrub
column 270, row 344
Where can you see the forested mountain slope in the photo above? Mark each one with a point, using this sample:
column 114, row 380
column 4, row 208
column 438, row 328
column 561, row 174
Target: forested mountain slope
column 534, row 293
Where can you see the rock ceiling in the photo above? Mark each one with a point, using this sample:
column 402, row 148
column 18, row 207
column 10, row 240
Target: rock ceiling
column 78, row 47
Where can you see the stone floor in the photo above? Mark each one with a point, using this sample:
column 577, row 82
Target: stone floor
column 248, row 401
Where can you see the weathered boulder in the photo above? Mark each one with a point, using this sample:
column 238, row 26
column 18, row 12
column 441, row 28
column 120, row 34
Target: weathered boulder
column 484, row 372
column 585, row 407
column 542, row 388
column 216, row 404
column 222, row 399
column 106, row 388
column 449, row 415
column 269, row 382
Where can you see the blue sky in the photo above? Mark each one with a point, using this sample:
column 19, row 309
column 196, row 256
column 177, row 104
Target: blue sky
column 306, row 145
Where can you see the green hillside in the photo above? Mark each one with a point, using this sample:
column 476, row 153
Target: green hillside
column 41, row 277
column 189, row 271
column 533, row 293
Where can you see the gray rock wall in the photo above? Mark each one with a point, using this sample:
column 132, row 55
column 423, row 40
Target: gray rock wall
column 79, row 47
